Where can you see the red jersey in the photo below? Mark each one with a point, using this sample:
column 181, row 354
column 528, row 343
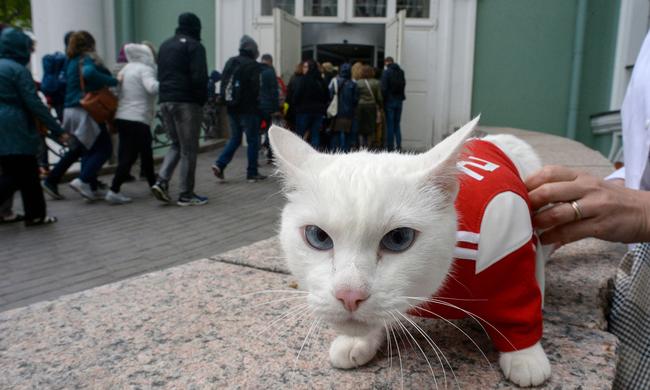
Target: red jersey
column 493, row 273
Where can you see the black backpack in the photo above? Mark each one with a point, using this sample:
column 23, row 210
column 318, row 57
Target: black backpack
column 397, row 82
column 238, row 82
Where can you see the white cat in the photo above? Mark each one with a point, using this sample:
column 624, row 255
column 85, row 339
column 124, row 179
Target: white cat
column 371, row 236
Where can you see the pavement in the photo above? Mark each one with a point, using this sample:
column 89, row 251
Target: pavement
column 227, row 320
column 97, row 243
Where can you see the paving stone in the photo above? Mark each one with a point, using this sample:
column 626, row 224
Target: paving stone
column 200, row 324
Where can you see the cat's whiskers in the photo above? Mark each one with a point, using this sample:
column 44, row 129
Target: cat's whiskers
column 390, row 352
column 459, row 329
column 273, row 292
column 408, row 333
column 435, row 349
column 276, row 301
column 399, row 355
column 292, row 311
column 475, row 317
column 309, row 332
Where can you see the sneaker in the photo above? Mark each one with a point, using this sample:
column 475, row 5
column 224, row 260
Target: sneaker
column 218, row 172
column 117, row 198
column 82, row 188
column 195, row 200
column 160, row 191
column 51, row 190
column 255, row 178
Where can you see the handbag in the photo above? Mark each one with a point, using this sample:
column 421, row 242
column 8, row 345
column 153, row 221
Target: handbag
column 378, row 117
column 101, row 105
column 333, row 107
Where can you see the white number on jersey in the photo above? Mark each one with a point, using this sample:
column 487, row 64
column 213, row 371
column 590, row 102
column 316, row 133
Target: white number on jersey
column 483, row 165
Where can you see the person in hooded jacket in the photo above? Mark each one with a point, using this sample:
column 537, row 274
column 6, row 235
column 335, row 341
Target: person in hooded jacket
column 20, row 106
column 138, row 90
column 243, row 112
column 345, row 90
column 310, row 99
column 183, row 76
column 90, row 140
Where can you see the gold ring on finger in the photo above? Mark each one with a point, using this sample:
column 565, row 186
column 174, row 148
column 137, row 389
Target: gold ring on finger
column 576, row 210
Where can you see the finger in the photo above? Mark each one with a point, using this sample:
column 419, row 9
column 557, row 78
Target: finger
column 565, row 191
column 570, row 232
column 559, row 214
column 550, row 174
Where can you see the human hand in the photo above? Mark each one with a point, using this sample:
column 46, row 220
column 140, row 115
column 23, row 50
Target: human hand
column 64, row 138
column 607, row 210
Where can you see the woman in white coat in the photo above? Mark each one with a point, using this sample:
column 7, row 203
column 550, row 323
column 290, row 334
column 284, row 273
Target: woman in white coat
column 138, row 90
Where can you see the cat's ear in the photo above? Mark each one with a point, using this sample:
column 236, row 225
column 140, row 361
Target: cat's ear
column 441, row 159
column 290, row 151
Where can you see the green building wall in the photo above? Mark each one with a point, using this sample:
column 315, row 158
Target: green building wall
column 156, row 20
column 523, row 64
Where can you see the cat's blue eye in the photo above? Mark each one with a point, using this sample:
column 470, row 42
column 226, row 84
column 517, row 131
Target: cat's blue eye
column 317, row 238
column 398, row 240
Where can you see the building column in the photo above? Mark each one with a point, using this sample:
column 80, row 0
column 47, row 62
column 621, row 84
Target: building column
column 52, row 19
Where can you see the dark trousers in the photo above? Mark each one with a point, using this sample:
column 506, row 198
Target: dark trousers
column 74, row 153
column 240, row 124
column 135, row 140
column 94, row 159
column 20, row 173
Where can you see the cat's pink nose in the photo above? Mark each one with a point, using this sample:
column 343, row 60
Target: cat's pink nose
column 351, row 298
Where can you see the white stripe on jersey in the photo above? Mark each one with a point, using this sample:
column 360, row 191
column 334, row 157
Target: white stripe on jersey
column 464, row 253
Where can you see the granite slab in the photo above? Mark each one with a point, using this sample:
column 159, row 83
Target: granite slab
column 201, row 325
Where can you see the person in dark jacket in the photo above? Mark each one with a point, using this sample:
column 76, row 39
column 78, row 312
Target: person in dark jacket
column 392, row 88
column 345, row 90
column 240, row 88
column 183, row 76
column 310, row 100
column 290, row 115
column 19, row 140
column 269, row 99
column 91, row 141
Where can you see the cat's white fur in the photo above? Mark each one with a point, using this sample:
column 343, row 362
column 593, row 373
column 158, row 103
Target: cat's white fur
column 359, row 197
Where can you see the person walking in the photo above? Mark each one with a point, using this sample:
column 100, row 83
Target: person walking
column 310, row 98
column 346, row 91
column 19, row 138
column 183, row 76
column 269, row 99
column 138, row 90
column 393, row 85
column 85, row 73
column 370, row 103
column 240, row 89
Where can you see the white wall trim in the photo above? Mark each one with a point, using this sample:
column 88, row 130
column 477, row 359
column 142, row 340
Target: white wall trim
column 454, row 77
column 632, row 27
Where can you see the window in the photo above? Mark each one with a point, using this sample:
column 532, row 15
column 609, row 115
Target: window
column 370, row 8
column 415, row 8
column 286, row 5
column 321, row 8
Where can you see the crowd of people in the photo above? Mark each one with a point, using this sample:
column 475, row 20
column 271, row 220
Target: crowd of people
column 82, row 104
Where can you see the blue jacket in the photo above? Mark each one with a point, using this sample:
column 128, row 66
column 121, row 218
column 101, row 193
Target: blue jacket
column 269, row 91
column 348, row 93
column 19, row 104
column 95, row 76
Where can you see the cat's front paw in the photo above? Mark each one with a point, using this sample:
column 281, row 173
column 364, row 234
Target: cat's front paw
column 526, row 367
column 350, row 352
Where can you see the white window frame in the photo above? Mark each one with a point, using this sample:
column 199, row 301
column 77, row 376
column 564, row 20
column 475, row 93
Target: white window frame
column 390, row 11
column 339, row 18
column 345, row 14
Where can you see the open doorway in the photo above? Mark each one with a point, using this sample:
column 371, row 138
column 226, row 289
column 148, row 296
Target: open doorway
column 341, row 43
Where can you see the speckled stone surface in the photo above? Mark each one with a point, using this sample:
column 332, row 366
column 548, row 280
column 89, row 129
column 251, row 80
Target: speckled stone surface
column 202, row 325
column 197, row 326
